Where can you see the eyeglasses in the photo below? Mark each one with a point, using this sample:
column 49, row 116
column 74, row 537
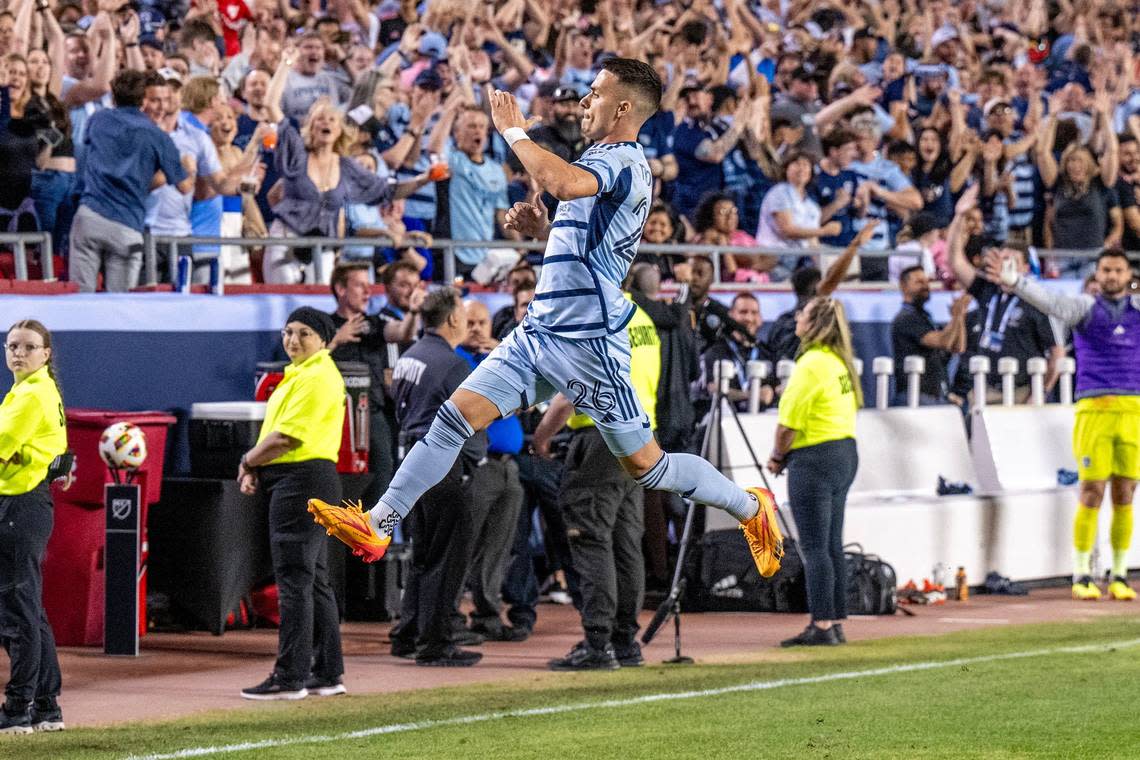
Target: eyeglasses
column 26, row 348
column 727, row 211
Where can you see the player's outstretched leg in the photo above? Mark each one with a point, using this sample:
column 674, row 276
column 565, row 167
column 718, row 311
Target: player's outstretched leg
column 695, row 478
column 432, row 457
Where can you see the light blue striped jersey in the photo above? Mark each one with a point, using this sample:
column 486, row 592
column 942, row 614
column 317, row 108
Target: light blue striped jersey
column 888, row 174
column 592, row 242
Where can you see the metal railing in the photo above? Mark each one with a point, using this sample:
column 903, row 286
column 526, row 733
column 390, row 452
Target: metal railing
column 20, row 242
column 156, row 245
column 170, row 244
column 883, row 369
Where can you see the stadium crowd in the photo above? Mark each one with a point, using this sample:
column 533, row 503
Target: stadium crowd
column 784, row 125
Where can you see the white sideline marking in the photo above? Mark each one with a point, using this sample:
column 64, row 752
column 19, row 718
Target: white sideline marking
column 395, row 728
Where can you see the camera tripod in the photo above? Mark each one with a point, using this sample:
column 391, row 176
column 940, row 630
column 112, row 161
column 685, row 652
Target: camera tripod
column 671, row 606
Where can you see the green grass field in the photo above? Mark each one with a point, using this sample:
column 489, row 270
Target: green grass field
column 998, row 693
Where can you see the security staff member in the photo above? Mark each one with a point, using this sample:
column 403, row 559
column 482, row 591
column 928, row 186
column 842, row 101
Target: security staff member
column 602, row 507
column 815, row 440
column 294, row 459
column 32, row 435
column 440, row 527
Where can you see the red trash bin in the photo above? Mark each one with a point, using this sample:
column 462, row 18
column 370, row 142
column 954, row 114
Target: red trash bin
column 73, row 563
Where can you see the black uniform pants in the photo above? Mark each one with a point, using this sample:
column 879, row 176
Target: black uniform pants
column 818, row 480
column 440, row 529
column 602, row 507
column 25, row 526
column 309, row 637
column 496, row 498
column 541, row 480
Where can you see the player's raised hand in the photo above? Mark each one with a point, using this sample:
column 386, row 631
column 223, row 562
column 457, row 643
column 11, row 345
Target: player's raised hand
column 527, row 219
column 505, row 111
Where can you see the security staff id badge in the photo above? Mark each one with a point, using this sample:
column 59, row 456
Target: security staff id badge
column 991, row 340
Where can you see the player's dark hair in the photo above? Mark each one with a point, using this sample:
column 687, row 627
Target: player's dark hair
column 1114, row 253
column 438, row 305
column 909, row 271
column 744, row 296
column 640, row 76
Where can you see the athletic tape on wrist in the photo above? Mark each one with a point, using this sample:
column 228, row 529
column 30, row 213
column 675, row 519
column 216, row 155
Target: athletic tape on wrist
column 514, row 134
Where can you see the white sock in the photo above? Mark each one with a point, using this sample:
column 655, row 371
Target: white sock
column 383, row 519
column 1082, row 564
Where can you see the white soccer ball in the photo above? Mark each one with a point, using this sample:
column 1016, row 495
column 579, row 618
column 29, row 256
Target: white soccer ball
column 123, row 446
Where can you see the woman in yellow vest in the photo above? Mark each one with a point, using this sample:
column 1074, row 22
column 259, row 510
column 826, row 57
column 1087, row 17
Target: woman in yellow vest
column 32, row 436
column 295, row 458
column 815, row 440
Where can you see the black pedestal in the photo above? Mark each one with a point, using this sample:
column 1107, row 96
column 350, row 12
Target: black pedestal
column 209, row 545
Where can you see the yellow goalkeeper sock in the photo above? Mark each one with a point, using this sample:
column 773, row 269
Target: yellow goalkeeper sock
column 1084, row 534
column 1121, row 536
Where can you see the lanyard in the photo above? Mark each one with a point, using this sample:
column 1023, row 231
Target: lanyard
column 1004, row 317
column 741, row 374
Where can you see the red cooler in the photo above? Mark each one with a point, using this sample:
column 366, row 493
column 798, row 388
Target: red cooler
column 354, row 443
column 73, row 564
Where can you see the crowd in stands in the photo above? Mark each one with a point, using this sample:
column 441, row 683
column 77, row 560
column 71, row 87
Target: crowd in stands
column 786, row 125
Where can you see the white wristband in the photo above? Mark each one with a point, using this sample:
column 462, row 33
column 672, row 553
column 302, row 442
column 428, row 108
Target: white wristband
column 513, row 134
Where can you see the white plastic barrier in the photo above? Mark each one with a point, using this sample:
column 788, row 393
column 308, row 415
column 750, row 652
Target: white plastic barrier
column 902, row 452
column 1019, row 448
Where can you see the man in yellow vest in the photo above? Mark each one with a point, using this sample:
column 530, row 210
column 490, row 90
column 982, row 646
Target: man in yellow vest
column 602, row 507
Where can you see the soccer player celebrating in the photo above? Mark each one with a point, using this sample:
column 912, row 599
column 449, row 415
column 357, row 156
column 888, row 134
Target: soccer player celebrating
column 573, row 338
column 1106, row 433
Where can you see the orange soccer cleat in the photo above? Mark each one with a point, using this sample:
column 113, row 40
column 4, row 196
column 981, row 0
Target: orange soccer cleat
column 350, row 524
column 765, row 540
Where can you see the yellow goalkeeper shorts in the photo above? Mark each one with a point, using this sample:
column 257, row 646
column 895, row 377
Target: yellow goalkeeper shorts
column 1106, row 437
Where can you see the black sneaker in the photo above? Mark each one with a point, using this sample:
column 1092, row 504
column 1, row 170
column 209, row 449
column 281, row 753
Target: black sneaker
column 274, row 688
column 453, row 657
column 16, row 722
column 403, row 651
column 501, row 633
column 465, row 637
column 628, row 655
column 324, row 687
column 813, row 637
column 46, row 717
column 838, row 628
column 585, row 657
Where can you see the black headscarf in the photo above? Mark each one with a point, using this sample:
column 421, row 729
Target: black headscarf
column 320, row 322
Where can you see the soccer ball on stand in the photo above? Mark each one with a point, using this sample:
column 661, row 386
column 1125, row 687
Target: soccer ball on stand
column 123, row 447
